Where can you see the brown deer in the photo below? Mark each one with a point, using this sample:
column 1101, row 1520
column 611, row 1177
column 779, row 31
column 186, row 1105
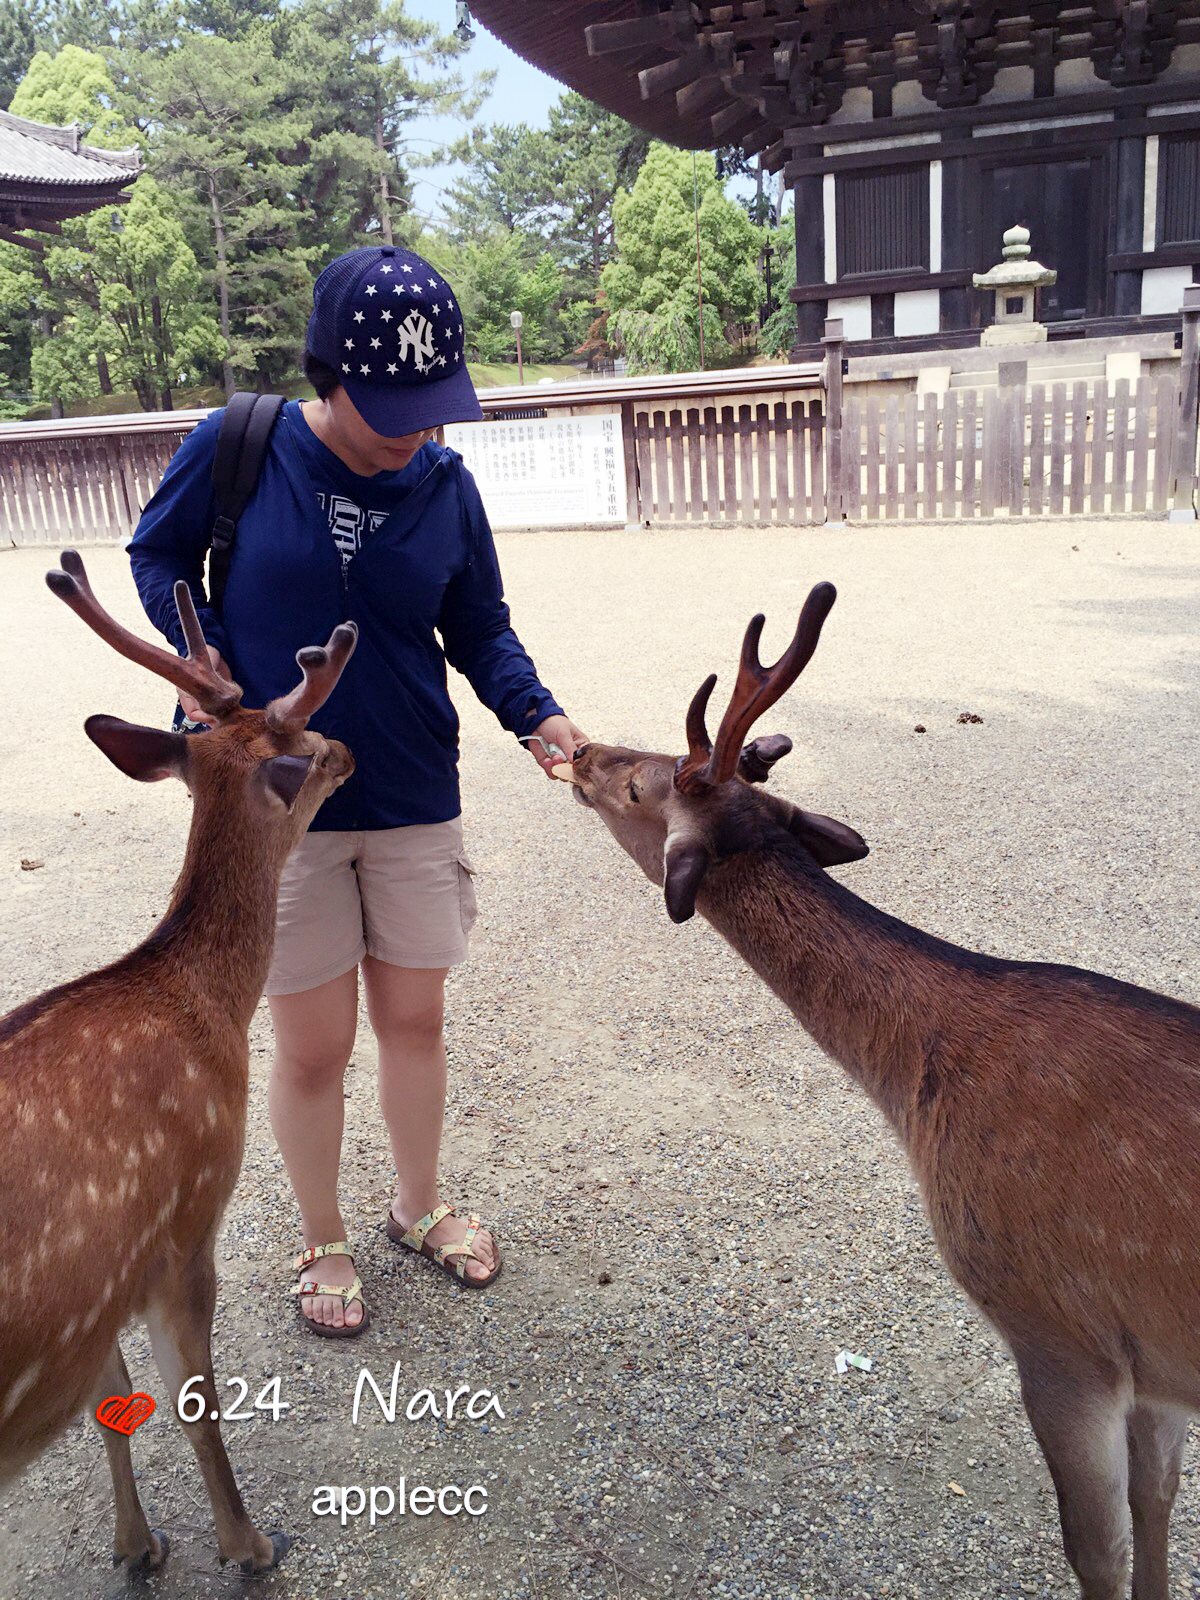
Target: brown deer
column 123, row 1093
column 1051, row 1115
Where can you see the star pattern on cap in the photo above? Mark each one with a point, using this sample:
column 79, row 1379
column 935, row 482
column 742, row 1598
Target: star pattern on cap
column 419, row 337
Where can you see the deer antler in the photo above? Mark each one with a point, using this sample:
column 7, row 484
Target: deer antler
column 756, row 689
column 322, row 667
column 193, row 674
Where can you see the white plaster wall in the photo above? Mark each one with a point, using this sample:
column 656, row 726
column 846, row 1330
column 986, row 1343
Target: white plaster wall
column 918, row 311
column 1012, row 83
column 908, row 99
column 1162, row 288
column 829, row 214
column 1076, row 77
column 856, row 106
column 1184, row 62
column 855, row 312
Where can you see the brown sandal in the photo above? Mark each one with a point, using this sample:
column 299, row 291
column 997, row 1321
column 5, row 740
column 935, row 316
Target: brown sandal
column 451, row 1258
column 354, row 1292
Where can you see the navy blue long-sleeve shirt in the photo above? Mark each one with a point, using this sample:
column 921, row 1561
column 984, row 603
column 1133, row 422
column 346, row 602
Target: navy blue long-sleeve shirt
column 406, row 555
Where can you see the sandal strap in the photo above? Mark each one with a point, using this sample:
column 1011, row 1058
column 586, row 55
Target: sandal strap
column 354, row 1292
column 415, row 1237
column 316, row 1251
column 465, row 1249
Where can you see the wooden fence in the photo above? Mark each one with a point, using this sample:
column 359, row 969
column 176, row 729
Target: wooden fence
column 1077, row 448
column 766, row 465
column 816, row 453
column 86, row 488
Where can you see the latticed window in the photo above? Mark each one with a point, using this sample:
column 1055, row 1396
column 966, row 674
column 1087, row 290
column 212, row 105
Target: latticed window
column 1179, row 189
column 883, row 221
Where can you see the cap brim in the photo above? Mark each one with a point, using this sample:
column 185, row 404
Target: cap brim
column 395, row 410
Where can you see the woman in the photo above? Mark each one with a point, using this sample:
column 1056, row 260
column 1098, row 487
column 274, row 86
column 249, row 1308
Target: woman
column 359, row 514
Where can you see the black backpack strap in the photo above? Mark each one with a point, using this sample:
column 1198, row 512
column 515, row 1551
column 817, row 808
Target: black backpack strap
column 241, row 450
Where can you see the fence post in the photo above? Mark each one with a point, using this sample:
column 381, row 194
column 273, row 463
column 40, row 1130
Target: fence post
column 835, row 345
column 1183, row 465
column 633, row 497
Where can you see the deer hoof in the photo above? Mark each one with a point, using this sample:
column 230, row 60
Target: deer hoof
column 149, row 1561
column 280, row 1544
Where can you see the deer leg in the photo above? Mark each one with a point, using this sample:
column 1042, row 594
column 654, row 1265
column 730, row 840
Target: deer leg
column 1078, row 1417
column 180, row 1325
column 1156, row 1439
column 133, row 1541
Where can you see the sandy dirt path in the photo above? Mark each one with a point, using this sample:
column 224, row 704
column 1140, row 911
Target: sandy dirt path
column 697, row 1209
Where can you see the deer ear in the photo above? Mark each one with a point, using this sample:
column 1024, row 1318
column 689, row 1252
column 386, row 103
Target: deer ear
column 146, row 754
column 685, row 861
column 283, row 777
column 831, row 842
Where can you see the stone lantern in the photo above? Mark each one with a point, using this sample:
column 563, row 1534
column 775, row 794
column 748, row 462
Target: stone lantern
column 1014, row 282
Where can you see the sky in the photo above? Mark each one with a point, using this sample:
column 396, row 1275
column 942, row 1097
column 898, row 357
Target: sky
column 521, row 94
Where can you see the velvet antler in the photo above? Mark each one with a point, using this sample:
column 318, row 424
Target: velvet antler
column 322, row 667
column 193, row 674
column 756, row 689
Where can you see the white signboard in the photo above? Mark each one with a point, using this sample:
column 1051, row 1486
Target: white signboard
column 548, row 471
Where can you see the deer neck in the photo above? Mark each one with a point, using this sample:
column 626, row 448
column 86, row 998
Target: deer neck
column 219, row 928
column 848, row 972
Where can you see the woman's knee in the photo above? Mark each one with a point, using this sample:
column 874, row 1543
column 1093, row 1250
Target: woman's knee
column 405, row 1006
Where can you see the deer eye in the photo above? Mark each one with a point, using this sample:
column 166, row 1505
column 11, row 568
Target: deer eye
column 633, row 793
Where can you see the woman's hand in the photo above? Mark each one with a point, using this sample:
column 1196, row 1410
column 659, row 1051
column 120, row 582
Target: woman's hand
column 555, row 730
column 190, row 709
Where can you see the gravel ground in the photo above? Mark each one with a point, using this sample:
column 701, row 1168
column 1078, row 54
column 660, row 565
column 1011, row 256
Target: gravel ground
column 698, row 1210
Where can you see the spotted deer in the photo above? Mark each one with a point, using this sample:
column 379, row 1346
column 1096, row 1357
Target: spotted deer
column 1051, row 1115
column 123, row 1093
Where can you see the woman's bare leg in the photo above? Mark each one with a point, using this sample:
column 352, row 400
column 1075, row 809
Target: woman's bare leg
column 405, row 1005
column 314, row 1035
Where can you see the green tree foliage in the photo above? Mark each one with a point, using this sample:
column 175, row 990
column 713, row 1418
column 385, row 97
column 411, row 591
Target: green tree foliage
column 17, row 45
column 232, row 156
column 362, row 70
column 74, row 85
column 507, row 187
column 652, row 285
column 134, row 298
column 593, row 154
column 779, row 330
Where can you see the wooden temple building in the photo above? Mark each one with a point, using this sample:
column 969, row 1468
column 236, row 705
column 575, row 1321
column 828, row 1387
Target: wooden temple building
column 914, row 132
column 47, row 174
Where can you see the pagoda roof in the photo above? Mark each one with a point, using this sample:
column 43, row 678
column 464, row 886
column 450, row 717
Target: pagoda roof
column 48, row 174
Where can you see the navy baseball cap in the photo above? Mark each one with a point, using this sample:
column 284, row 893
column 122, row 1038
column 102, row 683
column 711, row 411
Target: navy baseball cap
column 389, row 326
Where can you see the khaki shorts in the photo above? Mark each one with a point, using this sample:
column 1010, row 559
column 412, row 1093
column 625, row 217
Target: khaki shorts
column 403, row 895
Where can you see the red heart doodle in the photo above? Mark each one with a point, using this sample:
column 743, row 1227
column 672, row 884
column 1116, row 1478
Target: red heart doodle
column 124, row 1412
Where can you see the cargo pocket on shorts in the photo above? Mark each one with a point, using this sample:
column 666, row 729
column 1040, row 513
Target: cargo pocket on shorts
column 467, row 906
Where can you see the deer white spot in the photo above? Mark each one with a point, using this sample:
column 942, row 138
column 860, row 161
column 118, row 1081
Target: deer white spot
column 85, row 1031
column 68, row 1332
column 60, row 1116
column 19, row 1388
column 90, row 1321
column 26, row 1114
column 148, row 1029
column 210, row 1112
column 116, row 1043
column 153, row 1140
column 93, row 1193
column 117, row 1098
column 189, row 1071
column 77, row 1236
column 47, row 1227
column 108, row 1291
column 169, row 1102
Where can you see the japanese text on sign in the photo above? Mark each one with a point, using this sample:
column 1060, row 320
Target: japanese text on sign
column 548, row 471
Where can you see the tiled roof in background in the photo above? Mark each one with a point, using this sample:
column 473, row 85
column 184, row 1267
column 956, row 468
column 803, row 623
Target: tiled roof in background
column 33, row 153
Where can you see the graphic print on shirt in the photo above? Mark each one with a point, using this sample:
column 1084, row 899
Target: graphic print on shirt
column 347, row 520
